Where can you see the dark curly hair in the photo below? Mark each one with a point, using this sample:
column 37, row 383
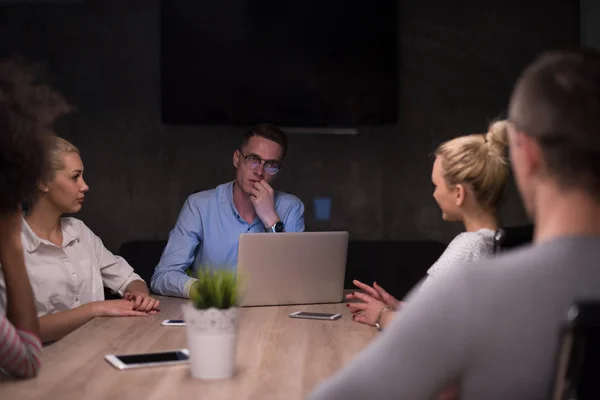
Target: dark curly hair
column 28, row 109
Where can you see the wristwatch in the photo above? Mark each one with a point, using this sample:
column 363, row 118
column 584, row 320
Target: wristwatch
column 377, row 321
column 278, row 227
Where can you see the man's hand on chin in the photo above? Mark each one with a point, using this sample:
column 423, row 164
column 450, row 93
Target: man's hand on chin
column 262, row 198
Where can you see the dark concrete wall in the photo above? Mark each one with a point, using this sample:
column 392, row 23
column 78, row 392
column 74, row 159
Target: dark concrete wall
column 458, row 63
column 590, row 28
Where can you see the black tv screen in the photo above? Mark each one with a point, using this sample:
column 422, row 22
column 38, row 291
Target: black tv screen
column 309, row 63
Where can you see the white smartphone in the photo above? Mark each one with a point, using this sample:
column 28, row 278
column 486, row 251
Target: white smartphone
column 314, row 315
column 173, row 322
column 128, row 361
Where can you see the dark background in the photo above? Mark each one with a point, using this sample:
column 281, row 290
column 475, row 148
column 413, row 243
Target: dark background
column 458, row 62
column 303, row 63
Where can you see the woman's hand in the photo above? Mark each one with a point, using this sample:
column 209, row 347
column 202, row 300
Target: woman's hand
column 115, row 308
column 367, row 311
column 375, row 302
column 377, row 293
column 143, row 302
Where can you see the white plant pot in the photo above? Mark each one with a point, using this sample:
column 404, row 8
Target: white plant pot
column 212, row 341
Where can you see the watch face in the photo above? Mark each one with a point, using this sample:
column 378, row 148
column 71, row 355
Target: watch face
column 278, row 226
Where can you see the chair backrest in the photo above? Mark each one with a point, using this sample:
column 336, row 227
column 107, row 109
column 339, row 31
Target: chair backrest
column 513, row 236
column 578, row 357
column 398, row 265
column 143, row 256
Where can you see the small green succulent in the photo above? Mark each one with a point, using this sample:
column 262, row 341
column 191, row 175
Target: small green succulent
column 216, row 288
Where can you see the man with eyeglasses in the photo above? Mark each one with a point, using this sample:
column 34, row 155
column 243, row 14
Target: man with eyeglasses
column 209, row 225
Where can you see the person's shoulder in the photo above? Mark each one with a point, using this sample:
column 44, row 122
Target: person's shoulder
column 534, row 258
column 537, row 272
column 482, row 235
column 506, row 268
column 471, row 241
column 491, row 272
column 75, row 227
column 487, row 281
column 74, row 223
column 288, row 199
column 205, row 196
column 475, row 243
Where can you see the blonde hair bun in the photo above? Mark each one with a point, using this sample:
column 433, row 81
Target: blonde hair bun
column 497, row 136
column 479, row 161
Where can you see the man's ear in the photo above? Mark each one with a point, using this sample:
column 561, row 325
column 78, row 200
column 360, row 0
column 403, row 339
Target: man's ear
column 532, row 158
column 459, row 194
column 236, row 158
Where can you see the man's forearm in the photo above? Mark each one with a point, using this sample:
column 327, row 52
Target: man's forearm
column 188, row 286
column 271, row 219
column 171, row 283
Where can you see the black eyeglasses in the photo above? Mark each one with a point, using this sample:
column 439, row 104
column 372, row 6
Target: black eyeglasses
column 252, row 161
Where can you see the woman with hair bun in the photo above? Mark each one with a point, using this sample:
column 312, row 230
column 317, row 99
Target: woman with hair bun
column 470, row 176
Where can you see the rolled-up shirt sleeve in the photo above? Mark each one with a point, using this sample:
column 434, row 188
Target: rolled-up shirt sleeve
column 170, row 278
column 117, row 274
column 294, row 219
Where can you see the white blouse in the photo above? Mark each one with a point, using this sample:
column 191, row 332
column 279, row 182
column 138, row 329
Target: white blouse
column 66, row 277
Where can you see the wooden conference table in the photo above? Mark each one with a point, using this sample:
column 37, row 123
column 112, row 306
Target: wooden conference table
column 278, row 357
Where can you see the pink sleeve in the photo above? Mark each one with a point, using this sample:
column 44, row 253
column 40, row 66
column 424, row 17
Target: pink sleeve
column 19, row 351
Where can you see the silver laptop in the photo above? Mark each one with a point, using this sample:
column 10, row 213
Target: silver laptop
column 292, row 267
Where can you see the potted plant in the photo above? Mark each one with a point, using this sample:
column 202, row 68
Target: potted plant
column 211, row 324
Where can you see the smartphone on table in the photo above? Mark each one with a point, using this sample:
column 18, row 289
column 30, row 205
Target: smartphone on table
column 130, row 361
column 315, row 315
column 173, row 322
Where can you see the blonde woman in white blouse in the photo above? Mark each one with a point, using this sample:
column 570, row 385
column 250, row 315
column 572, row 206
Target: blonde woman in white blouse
column 67, row 263
column 470, row 176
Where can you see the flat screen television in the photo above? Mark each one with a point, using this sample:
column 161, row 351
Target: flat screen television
column 309, row 63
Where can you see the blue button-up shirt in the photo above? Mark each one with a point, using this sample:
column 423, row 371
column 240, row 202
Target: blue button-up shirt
column 207, row 233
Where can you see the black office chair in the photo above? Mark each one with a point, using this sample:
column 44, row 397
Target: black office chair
column 510, row 237
column 142, row 255
column 398, row 265
column 578, row 357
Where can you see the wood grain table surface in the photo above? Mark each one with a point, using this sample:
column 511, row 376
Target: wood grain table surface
column 277, row 357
